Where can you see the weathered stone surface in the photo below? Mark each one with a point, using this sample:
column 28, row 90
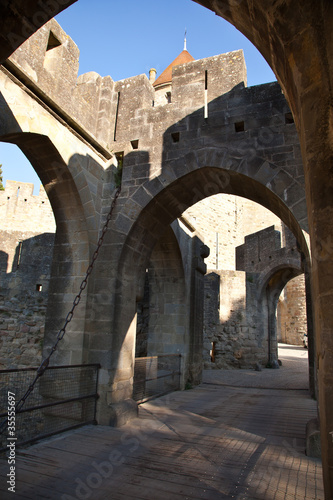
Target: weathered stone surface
column 295, row 40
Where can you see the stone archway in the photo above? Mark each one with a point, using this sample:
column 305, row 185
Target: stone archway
column 273, row 285
column 163, row 316
column 71, row 246
column 133, row 260
column 296, row 42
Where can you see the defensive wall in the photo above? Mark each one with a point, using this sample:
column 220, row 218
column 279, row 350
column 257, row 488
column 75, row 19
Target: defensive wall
column 232, row 325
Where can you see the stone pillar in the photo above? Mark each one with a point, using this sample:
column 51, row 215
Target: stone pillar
column 115, row 405
column 272, row 298
column 311, row 334
column 199, row 269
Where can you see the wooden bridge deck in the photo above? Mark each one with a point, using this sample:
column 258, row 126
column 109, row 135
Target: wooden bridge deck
column 212, row 442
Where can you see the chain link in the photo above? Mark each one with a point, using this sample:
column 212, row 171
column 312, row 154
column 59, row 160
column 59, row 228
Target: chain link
column 45, row 363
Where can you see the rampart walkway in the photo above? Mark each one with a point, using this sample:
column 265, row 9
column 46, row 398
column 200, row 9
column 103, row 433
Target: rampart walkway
column 241, row 435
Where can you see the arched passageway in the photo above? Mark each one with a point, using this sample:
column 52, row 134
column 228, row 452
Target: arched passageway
column 296, row 43
column 166, row 206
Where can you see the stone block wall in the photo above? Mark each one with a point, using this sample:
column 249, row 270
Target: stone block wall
column 26, row 249
column 232, row 332
column 224, row 72
column 21, row 210
column 24, row 297
column 224, row 221
column 291, row 312
column 236, row 325
column 22, row 321
column 49, row 62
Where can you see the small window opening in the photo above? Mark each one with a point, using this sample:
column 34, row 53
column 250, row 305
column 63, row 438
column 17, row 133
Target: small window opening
column 153, row 103
column 39, row 287
column 8, row 197
column 206, row 80
column 212, row 352
column 288, row 118
column 116, row 119
column 175, row 136
column 168, row 96
column 52, row 54
column 18, row 191
column 25, row 199
column 43, row 202
column 239, row 127
column 53, row 42
column 135, row 144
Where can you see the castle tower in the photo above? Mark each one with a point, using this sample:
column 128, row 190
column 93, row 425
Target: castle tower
column 163, row 84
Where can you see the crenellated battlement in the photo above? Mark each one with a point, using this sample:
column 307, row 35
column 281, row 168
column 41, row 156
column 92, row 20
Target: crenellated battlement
column 21, row 210
column 48, row 62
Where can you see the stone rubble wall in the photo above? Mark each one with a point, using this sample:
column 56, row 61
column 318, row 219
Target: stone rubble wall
column 27, row 230
column 22, row 320
column 232, row 336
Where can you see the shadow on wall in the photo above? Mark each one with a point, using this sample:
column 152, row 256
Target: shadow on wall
column 31, row 264
column 23, row 301
column 235, row 330
column 257, row 163
column 3, row 264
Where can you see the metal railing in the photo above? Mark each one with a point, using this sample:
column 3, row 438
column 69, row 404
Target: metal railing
column 63, row 399
column 155, row 376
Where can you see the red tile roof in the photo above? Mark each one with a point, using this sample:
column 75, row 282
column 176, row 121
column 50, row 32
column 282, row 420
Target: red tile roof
column 166, row 76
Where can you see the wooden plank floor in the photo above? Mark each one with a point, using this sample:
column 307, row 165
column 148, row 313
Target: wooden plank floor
column 211, row 442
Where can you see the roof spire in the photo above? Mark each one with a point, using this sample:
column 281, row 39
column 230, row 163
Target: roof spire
column 185, row 40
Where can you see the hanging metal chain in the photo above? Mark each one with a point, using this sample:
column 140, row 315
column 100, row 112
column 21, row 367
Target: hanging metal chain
column 45, row 363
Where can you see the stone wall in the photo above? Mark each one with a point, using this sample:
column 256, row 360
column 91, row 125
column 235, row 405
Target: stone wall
column 237, row 303
column 25, row 260
column 21, row 210
column 26, row 247
column 49, row 60
column 291, row 312
column 233, row 332
column 224, row 221
column 22, row 320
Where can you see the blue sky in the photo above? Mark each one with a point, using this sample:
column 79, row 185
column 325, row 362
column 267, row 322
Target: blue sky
column 128, row 37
